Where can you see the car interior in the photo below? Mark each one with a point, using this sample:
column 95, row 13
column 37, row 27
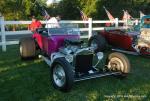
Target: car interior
column 42, row 31
column 118, row 31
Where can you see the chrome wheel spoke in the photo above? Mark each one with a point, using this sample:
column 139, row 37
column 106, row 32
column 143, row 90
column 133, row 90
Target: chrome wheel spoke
column 59, row 75
column 116, row 64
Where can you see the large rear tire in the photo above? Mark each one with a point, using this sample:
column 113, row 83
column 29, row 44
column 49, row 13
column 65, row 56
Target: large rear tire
column 62, row 75
column 98, row 43
column 27, row 48
column 118, row 62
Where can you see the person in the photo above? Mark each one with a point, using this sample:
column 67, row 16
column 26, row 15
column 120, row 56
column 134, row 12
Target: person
column 53, row 22
column 34, row 25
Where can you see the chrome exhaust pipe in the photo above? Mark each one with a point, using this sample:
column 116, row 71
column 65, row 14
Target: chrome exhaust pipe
column 45, row 59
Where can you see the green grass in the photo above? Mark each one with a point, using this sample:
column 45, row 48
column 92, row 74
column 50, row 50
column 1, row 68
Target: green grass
column 30, row 81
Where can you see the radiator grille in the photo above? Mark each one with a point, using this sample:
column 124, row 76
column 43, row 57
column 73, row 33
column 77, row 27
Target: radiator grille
column 83, row 63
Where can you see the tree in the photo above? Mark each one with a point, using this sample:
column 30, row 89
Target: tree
column 18, row 9
column 68, row 9
column 89, row 7
column 22, row 9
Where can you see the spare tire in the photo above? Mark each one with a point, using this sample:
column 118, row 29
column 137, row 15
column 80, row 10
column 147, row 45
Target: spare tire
column 27, row 48
column 118, row 62
column 98, row 43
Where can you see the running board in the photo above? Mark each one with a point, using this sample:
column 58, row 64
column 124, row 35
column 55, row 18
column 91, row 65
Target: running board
column 95, row 76
column 45, row 59
column 123, row 51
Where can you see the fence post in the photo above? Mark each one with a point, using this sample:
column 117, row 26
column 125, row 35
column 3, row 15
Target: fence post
column 90, row 27
column 116, row 22
column 136, row 22
column 126, row 23
column 3, row 37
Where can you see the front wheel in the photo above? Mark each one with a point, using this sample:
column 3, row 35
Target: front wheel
column 118, row 62
column 62, row 75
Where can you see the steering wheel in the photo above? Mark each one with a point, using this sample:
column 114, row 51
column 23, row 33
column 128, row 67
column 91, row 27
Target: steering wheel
column 70, row 31
column 41, row 30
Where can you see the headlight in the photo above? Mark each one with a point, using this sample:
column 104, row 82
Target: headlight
column 100, row 55
column 69, row 58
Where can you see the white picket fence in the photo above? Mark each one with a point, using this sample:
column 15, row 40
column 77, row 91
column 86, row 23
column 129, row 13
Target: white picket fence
column 90, row 22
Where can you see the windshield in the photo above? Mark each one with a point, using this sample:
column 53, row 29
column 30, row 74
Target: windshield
column 63, row 31
column 69, row 29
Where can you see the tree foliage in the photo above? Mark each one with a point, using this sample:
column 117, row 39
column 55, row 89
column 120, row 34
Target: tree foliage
column 68, row 9
column 22, row 9
column 94, row 8
column 18, row 9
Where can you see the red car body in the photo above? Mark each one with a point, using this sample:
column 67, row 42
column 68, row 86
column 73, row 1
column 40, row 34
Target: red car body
column 124, row 41
column 116, row 39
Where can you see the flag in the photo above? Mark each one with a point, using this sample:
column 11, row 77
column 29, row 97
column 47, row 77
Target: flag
column 111, row 18
column 43, row 11
column 45, row 14
column 126, row 15
column 141, row 14
column 84, row 17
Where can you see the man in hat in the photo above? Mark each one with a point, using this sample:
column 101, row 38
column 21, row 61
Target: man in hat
column 53, row 22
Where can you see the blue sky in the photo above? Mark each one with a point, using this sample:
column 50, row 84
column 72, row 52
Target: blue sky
column 51, row 1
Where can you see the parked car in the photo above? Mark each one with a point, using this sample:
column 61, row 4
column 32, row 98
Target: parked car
column 135, row 41
column 69, row 60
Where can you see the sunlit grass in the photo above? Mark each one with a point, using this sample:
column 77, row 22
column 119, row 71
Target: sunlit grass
column 30, row 81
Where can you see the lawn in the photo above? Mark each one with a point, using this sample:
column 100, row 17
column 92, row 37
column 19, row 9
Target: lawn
column 30, row 81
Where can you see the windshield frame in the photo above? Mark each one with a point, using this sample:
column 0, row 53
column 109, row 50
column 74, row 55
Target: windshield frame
column 63, row 31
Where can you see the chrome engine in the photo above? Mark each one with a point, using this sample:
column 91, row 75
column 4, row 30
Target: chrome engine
column 79, row 57
column 72, row 51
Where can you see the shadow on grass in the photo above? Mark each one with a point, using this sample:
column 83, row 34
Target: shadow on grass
column 30, row 81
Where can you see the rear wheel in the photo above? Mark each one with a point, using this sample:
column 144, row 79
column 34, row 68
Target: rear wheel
column 62, row 75
column 118, row 62
column 98, row 43
column 27, row 48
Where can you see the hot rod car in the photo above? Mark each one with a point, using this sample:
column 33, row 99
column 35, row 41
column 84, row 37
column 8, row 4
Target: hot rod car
column 69, row 60
column 135, row 41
